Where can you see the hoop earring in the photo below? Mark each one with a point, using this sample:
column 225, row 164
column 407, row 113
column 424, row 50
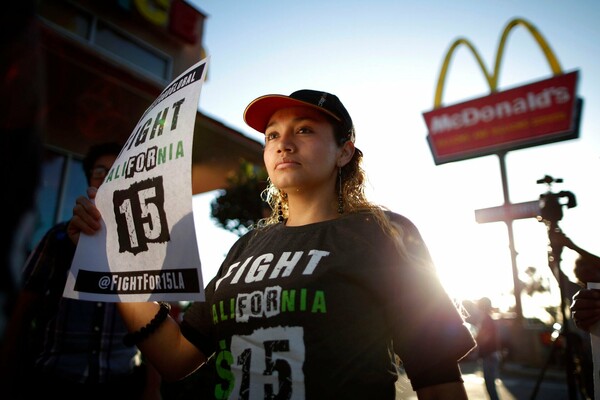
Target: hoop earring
column 340, row 197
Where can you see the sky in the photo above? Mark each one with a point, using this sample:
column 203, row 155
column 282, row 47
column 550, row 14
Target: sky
column 383, row 60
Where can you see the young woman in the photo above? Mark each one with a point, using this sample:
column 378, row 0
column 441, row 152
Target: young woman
column 318, row 300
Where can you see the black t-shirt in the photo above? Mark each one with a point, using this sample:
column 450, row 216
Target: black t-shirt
column 318, row 311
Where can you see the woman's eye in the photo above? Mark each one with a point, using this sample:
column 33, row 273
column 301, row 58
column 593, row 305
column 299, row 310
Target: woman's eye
column 305, row 129
column 271, row 135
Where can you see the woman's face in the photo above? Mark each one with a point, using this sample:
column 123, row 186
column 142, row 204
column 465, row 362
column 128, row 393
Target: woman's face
column 301, row 155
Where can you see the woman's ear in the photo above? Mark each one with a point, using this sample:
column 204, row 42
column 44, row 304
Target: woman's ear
column 346, row 154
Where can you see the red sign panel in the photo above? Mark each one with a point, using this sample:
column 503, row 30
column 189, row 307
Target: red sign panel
column 539, row 113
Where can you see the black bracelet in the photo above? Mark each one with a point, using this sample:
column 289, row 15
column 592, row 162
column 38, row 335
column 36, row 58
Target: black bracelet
column 133, row 338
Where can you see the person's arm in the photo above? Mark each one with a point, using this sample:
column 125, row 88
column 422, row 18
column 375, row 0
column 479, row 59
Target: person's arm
column 444, row 391
column 152, row 384
column 587, row 265
column 173, row 356
column 563, row 240
column 567, row 242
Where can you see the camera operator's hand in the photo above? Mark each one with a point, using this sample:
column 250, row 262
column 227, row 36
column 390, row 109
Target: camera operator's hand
column 586, row 308
column 587, row 265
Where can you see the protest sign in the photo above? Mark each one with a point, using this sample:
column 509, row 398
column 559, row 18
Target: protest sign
column 146, row 249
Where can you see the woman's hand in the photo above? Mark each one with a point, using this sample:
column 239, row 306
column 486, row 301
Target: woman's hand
column 585, row 308
column 86, row 217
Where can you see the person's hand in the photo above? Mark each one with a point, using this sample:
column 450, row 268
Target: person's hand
column 585, row 308
column 86, row 217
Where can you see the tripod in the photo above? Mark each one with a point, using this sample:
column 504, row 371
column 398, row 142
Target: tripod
column 551, row 213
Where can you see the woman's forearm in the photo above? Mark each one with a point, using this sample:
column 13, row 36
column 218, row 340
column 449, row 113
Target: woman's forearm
column 171, row 354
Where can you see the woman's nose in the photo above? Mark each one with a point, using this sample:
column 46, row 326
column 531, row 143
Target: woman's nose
column 286, row 144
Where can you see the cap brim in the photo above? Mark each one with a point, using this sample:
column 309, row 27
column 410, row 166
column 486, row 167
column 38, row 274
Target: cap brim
column 258, row 113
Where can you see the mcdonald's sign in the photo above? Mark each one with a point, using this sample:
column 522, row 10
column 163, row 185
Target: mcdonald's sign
column 538, row 113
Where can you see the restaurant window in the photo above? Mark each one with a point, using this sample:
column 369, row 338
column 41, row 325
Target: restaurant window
column 62, row 181
column 134, row 52
column 107, row 38
column 69, row 18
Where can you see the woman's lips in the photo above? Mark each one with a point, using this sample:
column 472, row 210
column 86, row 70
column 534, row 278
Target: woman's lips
column 285, row 163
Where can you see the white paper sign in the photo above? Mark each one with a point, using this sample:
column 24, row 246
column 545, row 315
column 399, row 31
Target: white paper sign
column 146, row 249
column 595, row 337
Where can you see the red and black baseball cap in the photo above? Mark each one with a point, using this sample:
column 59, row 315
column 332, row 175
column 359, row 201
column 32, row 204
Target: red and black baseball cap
column 261, row 109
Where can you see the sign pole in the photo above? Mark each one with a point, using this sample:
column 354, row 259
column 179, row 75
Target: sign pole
column 511, row 240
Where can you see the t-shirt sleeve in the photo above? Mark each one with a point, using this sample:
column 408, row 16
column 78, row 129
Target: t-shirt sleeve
column 430, row 334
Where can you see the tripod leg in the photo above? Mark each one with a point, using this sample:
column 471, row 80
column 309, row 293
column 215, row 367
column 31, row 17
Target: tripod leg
column 583, row 368
column 554, row 258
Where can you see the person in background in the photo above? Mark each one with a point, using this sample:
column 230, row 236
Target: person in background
column 488, row 341
column 317, row 299
column 66, row 348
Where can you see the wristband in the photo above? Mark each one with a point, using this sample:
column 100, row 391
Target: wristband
column 133, row 338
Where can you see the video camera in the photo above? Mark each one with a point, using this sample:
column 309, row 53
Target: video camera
column 550, row 203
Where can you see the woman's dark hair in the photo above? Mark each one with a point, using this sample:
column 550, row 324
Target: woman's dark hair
column 95, row 152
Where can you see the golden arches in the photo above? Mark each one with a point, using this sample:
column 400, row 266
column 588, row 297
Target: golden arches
column 492, row 78
column 442, row 78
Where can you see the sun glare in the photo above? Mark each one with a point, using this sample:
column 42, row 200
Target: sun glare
column 484, row 267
